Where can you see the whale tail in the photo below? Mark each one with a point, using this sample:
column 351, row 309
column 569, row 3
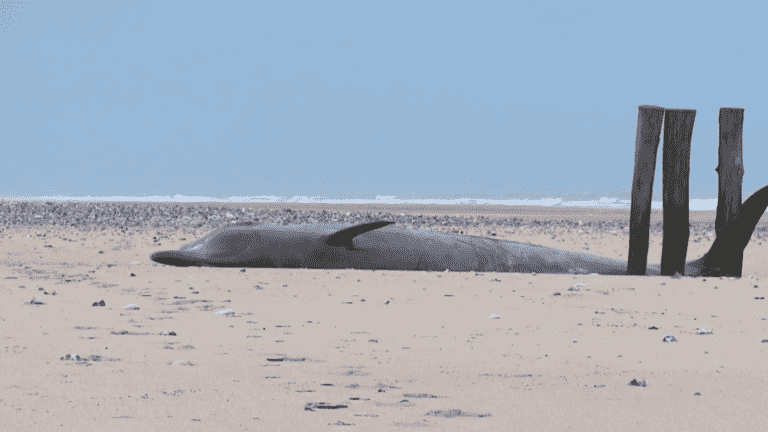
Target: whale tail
column 726, row 256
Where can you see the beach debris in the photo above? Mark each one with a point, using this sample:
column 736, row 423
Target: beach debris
column 73, row 357
column 312, row 406
column 453, row 413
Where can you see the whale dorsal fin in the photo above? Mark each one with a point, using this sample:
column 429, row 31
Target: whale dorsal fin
column 343, row 238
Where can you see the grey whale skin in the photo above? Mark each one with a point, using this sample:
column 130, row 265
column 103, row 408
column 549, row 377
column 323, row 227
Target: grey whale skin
column 379, row 245
column 376, row 245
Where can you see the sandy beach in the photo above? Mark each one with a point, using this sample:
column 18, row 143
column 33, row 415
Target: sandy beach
column 297, row 350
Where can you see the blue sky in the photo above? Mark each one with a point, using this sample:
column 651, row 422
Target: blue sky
column 496, row 101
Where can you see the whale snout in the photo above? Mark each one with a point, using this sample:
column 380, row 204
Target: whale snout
column 174, row 258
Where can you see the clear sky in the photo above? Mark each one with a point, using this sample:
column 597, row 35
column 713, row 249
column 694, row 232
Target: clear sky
column 495, row 101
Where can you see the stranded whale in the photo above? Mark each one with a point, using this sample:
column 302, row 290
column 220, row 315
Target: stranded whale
column 375, row 245
column 383, row 245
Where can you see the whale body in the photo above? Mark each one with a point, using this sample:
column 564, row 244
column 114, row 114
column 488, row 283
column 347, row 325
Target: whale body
column 376, row 245
column 381, row 245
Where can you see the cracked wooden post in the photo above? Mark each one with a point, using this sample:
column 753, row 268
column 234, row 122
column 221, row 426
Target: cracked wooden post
column 647, row 135
column 676, row 170
column 730, row 170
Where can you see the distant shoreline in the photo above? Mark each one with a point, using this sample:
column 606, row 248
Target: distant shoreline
column 204, row 214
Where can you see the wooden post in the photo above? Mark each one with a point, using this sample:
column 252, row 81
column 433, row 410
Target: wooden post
column 676, row 169
column 647, row 135
column 730, row 170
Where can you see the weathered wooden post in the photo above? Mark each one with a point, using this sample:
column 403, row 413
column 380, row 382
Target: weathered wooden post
column 730, row 170
column 676, row 169
column 647, row 135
